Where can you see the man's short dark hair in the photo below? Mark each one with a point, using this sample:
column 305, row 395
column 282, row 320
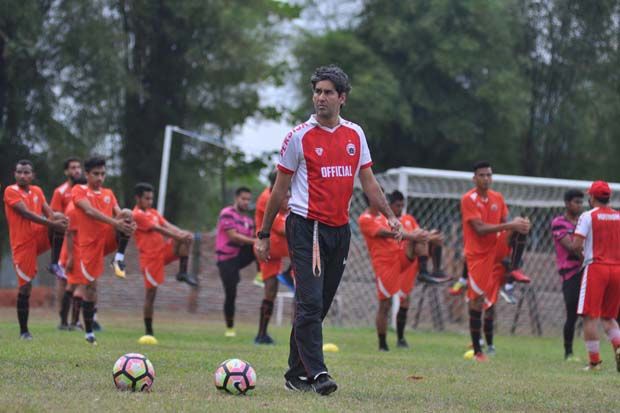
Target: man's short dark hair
column 24, row 162
column 481, row 164
column 334, row 74
column 603, row 200
column 94, row 162
column 241, row 190
column 141, row 188
column 572, row 194
column 396, row 196
column 69, row 160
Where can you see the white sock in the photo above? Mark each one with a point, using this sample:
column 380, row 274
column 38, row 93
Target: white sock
column 463, row 280
column 509, row 286
column 89, row 335
column 119, row 257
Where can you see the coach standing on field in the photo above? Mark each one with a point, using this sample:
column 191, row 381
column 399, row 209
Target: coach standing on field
column 319, row 160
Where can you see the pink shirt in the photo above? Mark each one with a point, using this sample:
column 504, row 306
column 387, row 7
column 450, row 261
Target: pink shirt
column 568, row 263
column 230, row 218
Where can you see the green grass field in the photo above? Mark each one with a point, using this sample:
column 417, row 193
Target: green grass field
column 58, row 371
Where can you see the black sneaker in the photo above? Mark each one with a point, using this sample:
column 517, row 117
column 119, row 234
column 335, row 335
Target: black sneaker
column 618, row 359
column 402, row 343
column 384, row 349
column 25, row 336
column 297, row 384
column 324, row 385
column 64, row 327
column 266, row 339
column 436, row 277
column 187, row 278
column 97, row 326
column 91, row 340
column 508, row 295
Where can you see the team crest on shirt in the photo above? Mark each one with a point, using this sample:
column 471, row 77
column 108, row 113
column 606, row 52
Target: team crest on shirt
column 350, row 149
column 319, row 151
column 494, row 207
column 106, row 199
column 35, row 199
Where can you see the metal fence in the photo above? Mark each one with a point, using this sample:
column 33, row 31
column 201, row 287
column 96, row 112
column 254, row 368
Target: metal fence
column 433, row 198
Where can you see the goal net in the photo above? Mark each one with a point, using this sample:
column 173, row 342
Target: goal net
column 433, row 198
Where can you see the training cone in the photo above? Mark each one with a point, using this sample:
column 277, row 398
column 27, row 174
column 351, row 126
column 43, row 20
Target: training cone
column 148, row 340
column 469, row 354
column 330, row 348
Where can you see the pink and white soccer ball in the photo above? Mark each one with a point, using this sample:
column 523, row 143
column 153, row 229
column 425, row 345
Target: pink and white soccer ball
column 235, row 376
column 133, row 372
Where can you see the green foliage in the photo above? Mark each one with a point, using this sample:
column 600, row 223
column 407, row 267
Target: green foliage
column 529, row 85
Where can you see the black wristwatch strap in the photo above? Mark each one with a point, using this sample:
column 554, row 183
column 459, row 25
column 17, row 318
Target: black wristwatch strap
column 262, row 235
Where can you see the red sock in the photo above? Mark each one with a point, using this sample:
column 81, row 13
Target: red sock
column 593, row 351
column 614, row 337
column 595, row 358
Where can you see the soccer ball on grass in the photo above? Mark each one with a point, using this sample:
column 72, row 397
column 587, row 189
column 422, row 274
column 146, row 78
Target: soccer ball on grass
column 133, row 372
column 235, row 376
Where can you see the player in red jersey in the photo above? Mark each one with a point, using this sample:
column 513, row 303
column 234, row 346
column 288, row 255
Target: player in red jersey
column 393, row 265
column 259, row 213
column 597, row 239
column 484, row 219
column 100, row 221
column 159, row 243
column 69, row 254
column 29, row 217
column 60, row 200
column 270, row 270
column 417, row 255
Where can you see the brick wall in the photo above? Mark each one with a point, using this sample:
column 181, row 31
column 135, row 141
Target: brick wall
column 175, row 296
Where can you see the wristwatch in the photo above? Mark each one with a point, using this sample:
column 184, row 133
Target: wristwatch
column 262, row 235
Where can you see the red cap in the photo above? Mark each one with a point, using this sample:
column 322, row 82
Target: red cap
column 600, row 189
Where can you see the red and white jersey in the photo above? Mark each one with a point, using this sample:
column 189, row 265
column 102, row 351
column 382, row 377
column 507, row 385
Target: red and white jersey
column 324, row 162
column 601, row 229
column 61, row 197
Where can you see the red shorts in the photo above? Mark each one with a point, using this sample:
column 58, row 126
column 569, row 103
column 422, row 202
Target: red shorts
column 74, row 276
column 600, row 291
column 408, row 274
column 25, row 255
column 153, row 268
column 395, row 276
column 270, row 268
column 92, row 255
column 483, row 279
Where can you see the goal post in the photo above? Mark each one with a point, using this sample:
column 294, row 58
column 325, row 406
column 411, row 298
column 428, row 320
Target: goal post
column 165, row 159
column 433, row 198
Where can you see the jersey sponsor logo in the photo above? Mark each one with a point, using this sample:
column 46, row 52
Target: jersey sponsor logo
column 336, row 171
column 319, row 151
column 106, row 199
column 608, row 217
column 35, row 199
column 494, row 207
column 350, row 149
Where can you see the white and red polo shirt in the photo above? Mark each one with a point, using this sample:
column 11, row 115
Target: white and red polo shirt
column 601, row 229
column 324, row 162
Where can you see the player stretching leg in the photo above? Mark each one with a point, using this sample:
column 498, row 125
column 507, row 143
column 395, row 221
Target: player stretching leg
column 414, row 256
column 484, row 215
column 234, row 249
column 156, row 251
column 99, row 220
column 29, row 217
column 68, row 256
column 597, row 238
column 569, row 263
column 270, row 269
